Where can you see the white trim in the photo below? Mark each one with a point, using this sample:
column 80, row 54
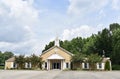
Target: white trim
column 83, row 65
column 98, row 66
column 103, row 66
column 110, row 66
column 64, row 64
column 55, row 56
column 12, row 63
column 26, row 65
column 47, row 65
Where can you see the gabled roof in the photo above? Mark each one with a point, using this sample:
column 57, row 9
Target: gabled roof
column 12, row 59
column 105, row 59
column 58, row 48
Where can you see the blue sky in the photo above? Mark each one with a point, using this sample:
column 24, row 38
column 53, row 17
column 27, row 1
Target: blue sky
column 26, row 26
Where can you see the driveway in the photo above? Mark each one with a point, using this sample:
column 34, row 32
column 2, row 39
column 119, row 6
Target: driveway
column 57, row 74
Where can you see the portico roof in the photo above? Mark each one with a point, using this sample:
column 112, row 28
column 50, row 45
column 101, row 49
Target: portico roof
column 55, row 56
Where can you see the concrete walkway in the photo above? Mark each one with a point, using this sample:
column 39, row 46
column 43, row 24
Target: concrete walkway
column 57, row 74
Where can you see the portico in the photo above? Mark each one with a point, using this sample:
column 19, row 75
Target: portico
column 55, row 61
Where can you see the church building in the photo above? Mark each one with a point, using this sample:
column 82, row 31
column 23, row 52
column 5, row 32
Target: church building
column 56, row 57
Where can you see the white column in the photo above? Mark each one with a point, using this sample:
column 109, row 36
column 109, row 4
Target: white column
column 30, row 65
column 43, row 65
column 26, row 65
column 64, row 64
column 69, row 65
column 5, row 65
column 110, row 66
column 97, row 66
column 103, row 66
column 83, row 65
column 61, row 64
column 87, row 65
column 47, row 65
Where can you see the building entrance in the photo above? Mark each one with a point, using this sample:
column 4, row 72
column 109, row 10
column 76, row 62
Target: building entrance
column 56, row 65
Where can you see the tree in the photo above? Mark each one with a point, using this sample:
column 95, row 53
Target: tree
column 104, row 42
column 116, row 47
column 40, row 63
column 4, row 56
column 77, row 60
column 93, row 59
column 1, row 58
column 114, row 26
column 27, row 59
column 48, row 46
column 67, row 45
column 73, row 46
column 8, row 55
column 36, row 61
column 89, row 45
column 79, row 57
column 20, row 61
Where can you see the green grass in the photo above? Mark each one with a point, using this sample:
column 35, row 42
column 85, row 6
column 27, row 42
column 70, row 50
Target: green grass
column 1, row 67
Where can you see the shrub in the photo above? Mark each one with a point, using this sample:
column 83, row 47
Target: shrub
column 116, row 67
column 107, row 65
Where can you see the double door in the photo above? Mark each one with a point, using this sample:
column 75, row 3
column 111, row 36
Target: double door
column 56, row 65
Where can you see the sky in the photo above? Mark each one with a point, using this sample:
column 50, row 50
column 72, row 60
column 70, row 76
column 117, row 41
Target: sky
column 26, row 26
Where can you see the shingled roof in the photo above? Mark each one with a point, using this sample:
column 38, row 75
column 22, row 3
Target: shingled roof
column 105, row 59
column 12, row 59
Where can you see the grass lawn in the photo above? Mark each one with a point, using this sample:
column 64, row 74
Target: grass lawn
column 1, row 67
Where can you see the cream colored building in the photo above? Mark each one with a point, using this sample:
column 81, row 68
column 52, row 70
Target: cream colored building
column 56, row 58
column 10, row 63
column 99, row 66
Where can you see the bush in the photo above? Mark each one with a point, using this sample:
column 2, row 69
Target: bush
column 107, row 65
column 116, row 67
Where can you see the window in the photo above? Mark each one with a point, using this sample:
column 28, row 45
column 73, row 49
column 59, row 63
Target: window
column 100, row 65
column 14, row 65
column 85, row 65
column 28, row 65
column 67, row 65
column 45, row 64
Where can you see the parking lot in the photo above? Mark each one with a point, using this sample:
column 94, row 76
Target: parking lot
column 57, row 74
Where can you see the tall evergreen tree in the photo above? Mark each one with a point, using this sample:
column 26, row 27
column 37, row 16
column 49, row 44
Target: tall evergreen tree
column 104, row 42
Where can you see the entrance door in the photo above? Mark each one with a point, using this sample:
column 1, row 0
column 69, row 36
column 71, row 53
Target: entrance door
column 56, row 65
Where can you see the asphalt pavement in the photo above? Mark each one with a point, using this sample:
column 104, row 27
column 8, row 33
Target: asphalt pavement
column 58, row 74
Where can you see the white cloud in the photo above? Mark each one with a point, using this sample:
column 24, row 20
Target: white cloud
column 82, row 31
column 24, row 30
column 26, row 47
column 82, row 7
column 101, row 14
column 18, row 20
column 20, row 10
column 115, row 4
